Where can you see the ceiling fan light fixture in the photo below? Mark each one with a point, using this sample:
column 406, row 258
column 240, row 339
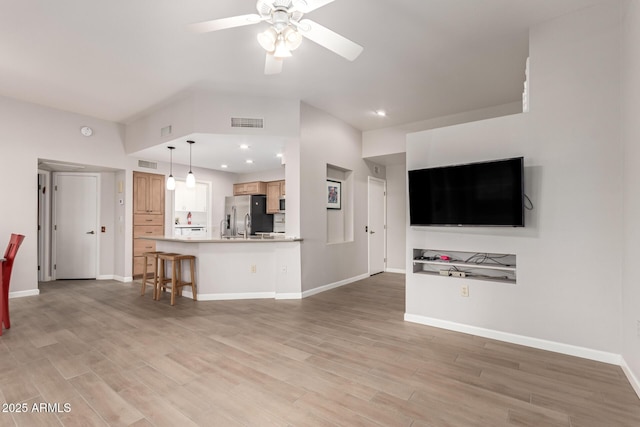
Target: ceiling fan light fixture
column 292, row 38
column 299, row 5
column 268, row 39
column 281, row 50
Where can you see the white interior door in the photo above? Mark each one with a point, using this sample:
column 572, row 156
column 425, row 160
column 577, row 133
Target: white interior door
column 377, row 225
column 76, row 226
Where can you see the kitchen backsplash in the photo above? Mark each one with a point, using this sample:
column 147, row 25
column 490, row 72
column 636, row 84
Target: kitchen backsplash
column 197, row 218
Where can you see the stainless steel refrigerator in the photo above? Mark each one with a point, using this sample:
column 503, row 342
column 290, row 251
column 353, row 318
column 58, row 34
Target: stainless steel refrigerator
column 243, row 211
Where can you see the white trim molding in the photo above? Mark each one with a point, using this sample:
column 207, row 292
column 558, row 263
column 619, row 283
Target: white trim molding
column 568, row 349
column 635, row 383
column 333, row 285
column 396, row 270
column 20, row 294
column 231, row 296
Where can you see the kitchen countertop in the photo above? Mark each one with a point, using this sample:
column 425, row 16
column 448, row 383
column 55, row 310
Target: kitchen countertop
column 253, row 239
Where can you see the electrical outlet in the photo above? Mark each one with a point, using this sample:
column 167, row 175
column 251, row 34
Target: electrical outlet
column 464, row 291
column 458, row 274
column 445, row 273
column 253, row 268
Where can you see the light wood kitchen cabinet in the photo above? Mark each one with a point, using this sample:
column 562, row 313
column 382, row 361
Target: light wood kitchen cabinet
column 148, row 215
column 250, row 188
column 148, row 193
column 275, row 190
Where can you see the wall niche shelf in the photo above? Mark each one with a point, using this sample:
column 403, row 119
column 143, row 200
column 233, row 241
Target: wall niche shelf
column 468, row 265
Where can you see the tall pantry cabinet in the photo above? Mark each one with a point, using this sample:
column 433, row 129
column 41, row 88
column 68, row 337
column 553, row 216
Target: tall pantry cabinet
column 148, row 216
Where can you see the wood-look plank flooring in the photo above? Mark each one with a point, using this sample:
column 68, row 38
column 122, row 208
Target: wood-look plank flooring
column 343, row 357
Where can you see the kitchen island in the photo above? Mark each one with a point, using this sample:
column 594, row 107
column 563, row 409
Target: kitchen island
column 238, row 268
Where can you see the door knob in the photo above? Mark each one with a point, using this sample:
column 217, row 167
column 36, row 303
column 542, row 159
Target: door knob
column 91, row 232
column 372, row 232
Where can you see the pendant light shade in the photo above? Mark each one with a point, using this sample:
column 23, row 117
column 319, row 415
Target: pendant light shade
column 191, row 179
column 171, row 181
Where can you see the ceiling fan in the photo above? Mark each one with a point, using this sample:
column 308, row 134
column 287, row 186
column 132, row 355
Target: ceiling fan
column 286, row 30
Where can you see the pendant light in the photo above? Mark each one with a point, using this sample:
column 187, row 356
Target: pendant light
column 171, row 181
column 191, row 179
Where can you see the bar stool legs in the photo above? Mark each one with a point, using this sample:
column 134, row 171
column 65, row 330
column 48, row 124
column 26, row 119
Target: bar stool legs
column 145, row 279
column 176, row 280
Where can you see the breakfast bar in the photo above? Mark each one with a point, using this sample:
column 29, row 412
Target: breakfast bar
column 239, row 268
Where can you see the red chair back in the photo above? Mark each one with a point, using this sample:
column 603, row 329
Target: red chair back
column 12, row 250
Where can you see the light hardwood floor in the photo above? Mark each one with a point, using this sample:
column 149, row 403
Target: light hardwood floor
column 343, row 357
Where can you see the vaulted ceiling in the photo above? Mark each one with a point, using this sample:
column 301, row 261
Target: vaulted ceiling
column 117, row 59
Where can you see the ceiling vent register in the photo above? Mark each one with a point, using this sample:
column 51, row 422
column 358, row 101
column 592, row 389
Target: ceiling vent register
column 242, row 122
column 147, row 164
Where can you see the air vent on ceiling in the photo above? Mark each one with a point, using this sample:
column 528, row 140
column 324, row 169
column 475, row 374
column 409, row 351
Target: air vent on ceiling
column 165, row 131
column 148, row 165
column 242, row 122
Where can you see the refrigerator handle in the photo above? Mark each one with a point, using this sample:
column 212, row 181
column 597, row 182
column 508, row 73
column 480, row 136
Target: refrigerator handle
column 247, row 225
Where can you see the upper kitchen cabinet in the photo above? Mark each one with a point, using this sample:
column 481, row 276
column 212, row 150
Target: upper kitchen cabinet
column 148, row 193
column 191, row 199
column 257, row 188
column 275, row 191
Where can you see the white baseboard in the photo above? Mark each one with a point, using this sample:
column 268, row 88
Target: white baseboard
column 275, row 295
column 571, row 350
column 225, row 297
column 635, row 383
column 292, row 295
column 20, row 294
column 105, row 277
column 123, row 279
column 334, row 285
column 396, row 270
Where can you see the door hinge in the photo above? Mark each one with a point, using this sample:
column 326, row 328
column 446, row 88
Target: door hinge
column 385, row 260
column 55, row 266
column 55, row 228
column 55, row 188
column 38, row 268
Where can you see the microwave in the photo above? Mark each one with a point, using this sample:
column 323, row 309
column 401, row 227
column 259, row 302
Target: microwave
column 282, row 205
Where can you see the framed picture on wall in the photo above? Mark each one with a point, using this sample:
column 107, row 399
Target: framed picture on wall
column 334, row 194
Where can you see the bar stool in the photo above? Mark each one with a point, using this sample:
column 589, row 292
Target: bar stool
column 176, row 280
column 145, row 281
column 156, row 276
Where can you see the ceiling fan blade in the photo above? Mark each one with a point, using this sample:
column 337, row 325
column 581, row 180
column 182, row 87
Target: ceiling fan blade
column 272, row 65
column 306, row 6
column 224, row 23
column 329, row 39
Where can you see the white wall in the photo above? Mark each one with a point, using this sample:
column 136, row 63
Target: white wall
column 270, row 175
column 209, row 112
column 29, row 132
column 396, row 217
column 569, row 259
column 392, row 140
column 119, row 225
column 326, row 140
column 107, row 220
column 630, row 91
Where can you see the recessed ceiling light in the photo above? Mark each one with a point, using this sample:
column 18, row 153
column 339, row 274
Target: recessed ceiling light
column 249, row 161
column 279, row 155
column 244, row 147
column 381, row 113
column 224, row 166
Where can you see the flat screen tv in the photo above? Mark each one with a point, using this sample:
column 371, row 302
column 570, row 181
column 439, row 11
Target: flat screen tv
column 484, row 194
